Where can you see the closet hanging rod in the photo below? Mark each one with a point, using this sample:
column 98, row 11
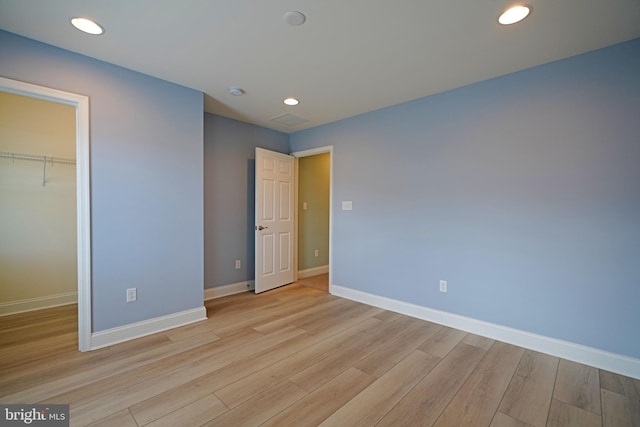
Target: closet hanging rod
column 50, row 159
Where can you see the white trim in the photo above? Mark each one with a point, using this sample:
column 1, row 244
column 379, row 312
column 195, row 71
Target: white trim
column 146, row 327
column 313, row 152
column 612, row 362
column 296, row 196
column 83, row 192
column 233, row 288
column 309, row 272
column 31, row 304
column 83, row 197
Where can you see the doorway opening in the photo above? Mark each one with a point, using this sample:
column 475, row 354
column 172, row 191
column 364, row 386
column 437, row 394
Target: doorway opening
column 314, row 184
column 83, row 226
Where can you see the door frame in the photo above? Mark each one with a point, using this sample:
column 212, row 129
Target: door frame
column 307, row 153
column 83, row 192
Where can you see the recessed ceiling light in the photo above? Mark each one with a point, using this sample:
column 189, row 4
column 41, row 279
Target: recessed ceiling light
column 87, row 26
column 236, row 91
column 294, row 18
column 291, row 101
column 514, row 14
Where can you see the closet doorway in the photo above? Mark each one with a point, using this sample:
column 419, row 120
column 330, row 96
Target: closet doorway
column 47, row 254
column 313, row 217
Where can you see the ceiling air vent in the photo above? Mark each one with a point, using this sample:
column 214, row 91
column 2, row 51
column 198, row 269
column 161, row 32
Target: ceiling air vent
column 289, row 120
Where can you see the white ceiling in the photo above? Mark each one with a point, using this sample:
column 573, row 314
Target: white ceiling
column 350, row 57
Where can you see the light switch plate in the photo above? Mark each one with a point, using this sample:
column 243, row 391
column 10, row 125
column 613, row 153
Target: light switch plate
column 347, row 205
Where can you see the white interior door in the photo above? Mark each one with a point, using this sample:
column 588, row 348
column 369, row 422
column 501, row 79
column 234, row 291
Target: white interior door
column 275, row 231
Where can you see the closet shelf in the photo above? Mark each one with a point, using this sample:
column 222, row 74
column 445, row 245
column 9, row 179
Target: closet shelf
column 50, row 159
column 43, row 159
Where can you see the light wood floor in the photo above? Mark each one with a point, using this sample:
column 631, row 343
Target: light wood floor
column 296, row 356
column 319, row 282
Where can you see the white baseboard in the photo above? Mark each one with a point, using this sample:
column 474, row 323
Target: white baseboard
column 612, row 362
column 323, row 269
column 233, row 288
column 146, row 327
column 31, row 304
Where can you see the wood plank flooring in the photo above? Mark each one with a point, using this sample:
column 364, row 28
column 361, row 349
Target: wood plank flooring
column 297, row 356
column 319, row 282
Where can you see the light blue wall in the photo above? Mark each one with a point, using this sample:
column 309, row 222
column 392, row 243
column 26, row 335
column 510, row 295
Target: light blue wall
column 229, row 183
column 146, row 179
column 522, row 191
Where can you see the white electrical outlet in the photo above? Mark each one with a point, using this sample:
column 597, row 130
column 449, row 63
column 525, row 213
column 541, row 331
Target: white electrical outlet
column 238, row 263
column 132, row 294
column 347, row 205
column 304, row 206
column 316, row 253
column 443, row 286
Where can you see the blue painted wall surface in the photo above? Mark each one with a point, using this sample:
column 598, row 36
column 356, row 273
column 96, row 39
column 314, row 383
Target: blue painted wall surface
column 229, row 188
column 522, row 191
column 146, row 179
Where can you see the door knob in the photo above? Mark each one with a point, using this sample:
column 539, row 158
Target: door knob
column 260, row 228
